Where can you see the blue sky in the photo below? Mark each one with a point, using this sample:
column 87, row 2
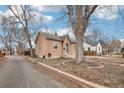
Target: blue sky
column 111, row 28
column 112, row 25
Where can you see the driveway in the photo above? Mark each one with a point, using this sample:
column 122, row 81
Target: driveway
column 15, row 72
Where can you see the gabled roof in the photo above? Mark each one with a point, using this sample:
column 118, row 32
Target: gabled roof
column 104, row 45
column 72, row 41
column 62, row 38
column 51, row 36
column 55, row 37
column 89, row 41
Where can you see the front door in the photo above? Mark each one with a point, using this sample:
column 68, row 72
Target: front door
column 66, row 48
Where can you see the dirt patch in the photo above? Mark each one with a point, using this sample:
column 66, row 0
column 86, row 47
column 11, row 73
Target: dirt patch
column 98, row 70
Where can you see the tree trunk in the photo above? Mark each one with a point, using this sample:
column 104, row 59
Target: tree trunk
column 31, row 49
column 29, row 42
column 30, row 45
column 79, row 49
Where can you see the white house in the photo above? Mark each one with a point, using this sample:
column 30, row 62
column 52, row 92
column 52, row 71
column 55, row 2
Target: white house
column 99, row 49
column 93, row 47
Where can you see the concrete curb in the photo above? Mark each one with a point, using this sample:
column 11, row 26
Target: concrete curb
column 78, row 82
column 66, row 78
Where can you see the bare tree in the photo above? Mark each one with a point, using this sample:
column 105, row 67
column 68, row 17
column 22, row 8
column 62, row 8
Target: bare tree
column 24, row 19
column 6, row 34
column 18, row 38
column 25, row 15
column 79, row 16
column 115, row 46
column 95, row 35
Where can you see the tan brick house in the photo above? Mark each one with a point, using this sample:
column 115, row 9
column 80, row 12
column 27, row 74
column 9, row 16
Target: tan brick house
column 57, row 46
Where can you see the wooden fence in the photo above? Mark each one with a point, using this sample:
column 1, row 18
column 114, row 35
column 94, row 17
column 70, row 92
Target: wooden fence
column 90, row 53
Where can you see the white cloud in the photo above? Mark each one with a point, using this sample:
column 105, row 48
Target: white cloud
column 62, row 31
column 47, row 19
column 48, row 8
column 122, row 40
column 8, row 12
column 47, row 31
column 65, row 31
column 38, row 16
column 107, row 12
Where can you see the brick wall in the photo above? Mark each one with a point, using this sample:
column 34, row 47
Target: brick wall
column 54, row 52
column 40, row 46
column 45, row 46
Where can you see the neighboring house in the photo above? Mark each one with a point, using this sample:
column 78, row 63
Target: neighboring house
column 92, row 48
column 99, row 49
column 122, row 43
column 122, row 52
column 105, row 47
column 62, row 46
column 116, row 47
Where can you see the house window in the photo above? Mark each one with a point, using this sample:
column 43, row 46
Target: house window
column 88, row 48
column 55, row 45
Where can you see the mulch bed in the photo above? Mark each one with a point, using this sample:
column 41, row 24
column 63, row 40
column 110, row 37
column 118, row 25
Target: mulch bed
column 97, row 70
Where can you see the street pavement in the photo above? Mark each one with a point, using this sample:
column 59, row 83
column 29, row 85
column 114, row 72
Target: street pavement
column 15, row 72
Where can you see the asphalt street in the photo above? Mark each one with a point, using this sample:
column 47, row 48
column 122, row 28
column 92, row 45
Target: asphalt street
column 15, row 72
